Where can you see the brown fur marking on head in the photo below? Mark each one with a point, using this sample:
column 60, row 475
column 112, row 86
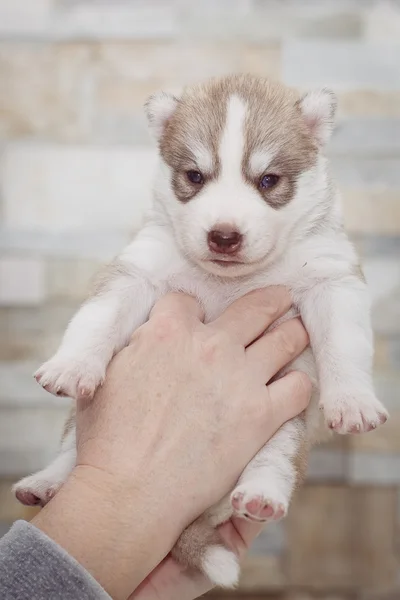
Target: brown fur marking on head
column 273, row 121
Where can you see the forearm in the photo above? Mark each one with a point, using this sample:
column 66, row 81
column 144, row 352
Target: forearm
column 117, row 547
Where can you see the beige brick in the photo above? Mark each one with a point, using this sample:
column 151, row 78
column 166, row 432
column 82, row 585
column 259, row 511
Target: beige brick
column 381, row 353
column 334, row 541
column 10, row 508
column 114, row 94
column 385, row 439
column 70, row 279
column 164, row 63
column 76, row 187
column 372, row 211
column 45, row 90
column 369, row 103
column 262, row 59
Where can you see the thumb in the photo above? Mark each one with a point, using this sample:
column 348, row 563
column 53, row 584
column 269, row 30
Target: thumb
column 288, row 397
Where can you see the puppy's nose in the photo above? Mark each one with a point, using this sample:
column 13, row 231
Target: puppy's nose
column 225, row 239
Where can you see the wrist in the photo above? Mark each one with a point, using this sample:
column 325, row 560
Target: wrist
column 119, row 535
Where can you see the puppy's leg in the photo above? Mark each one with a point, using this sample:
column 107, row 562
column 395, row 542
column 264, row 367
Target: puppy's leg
column 39, row 488
column 201, row 547
column 101, row 327
column 266, row 486
column 337, row 318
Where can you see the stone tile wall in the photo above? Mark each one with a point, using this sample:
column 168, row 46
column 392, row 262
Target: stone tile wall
column 75, row 168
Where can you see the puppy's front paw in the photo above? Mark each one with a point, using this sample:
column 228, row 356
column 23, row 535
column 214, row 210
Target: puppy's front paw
column 352, row 412
column 72, row 377
column 36, row 491
column 258, row 502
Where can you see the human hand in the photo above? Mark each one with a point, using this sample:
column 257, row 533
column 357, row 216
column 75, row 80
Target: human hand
column 155, row 446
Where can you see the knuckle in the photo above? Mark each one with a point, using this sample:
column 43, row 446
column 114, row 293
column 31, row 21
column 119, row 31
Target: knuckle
column 302, row 384
column 214, row 344
column 165, row 326
column 285, row 343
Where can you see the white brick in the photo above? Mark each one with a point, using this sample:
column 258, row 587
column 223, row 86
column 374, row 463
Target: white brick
column 20, row 390
column 373, row 469
column 98, row 20
column 70, row 244
column 367, row 137
column 382, row 21
column 22, row 18
column 29, row 438
column 62, row 188
column 22, row 281
column 341, row 65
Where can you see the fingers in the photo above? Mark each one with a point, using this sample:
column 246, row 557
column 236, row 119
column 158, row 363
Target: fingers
column 277, row 348
column 251, row 315
column 179, row 308
column 288, row 397
column 238, row 534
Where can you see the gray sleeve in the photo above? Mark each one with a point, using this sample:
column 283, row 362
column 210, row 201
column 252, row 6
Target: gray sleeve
column 33, row 567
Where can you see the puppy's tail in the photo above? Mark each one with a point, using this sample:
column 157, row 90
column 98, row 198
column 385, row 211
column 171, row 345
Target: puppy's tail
column 200, row 546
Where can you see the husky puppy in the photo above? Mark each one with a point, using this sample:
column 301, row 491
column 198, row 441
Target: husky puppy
column 243, row 199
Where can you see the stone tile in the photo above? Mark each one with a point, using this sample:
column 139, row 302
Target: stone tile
column 387, row 387
column 261, row 574
column 327, row 465
column 375, row 564
column 270, row 541
column 28, row 334
column 318, row 530
column 19, row 390
column 22, row 281
column 383, row 278
column 372, row 173
column 369, row 103
column 378, row 469
column 386, row 314
column 75, row 187
column 381, row 353
column 385, row 439
column 60, row 81
column 272, row 20
column 334, row 543
column 164, row 64
column 10, row 508
column 19, row 18
column 86, row 245
column 382, row 22
column 29, row 438
column 366, row 137
column 394, row 353
column 70, row 279
column 370, row 211
column 378, row 245
column 260, row 59
column 342, row 65
column 86, row 19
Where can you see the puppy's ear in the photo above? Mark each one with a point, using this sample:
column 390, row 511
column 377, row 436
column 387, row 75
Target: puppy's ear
column 319, row 108
column 159, row 109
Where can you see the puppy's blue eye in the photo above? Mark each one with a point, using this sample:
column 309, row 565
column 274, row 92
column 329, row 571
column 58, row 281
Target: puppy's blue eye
column 195, row 177
column 269, row 181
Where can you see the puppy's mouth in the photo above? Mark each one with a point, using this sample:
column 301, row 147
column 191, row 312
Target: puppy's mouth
column 226, row 263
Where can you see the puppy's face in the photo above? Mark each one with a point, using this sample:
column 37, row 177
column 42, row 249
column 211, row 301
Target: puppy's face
column 239, row 157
